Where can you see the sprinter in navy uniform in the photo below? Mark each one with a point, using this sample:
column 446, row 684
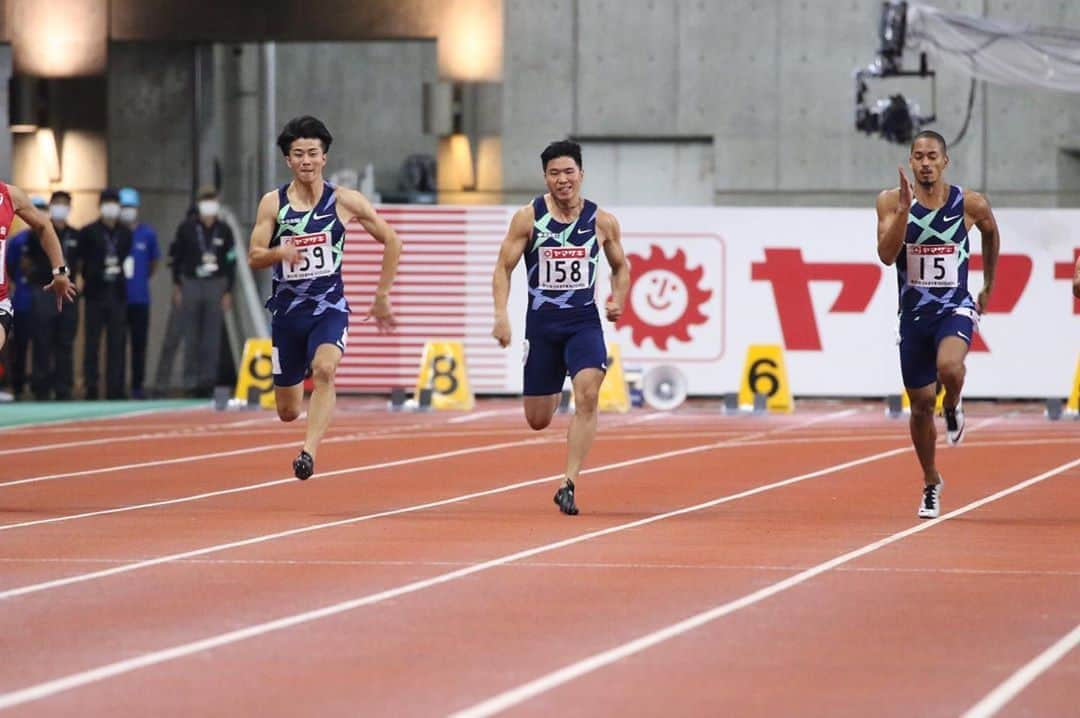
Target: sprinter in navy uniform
column 300, row 232
column 1076, row 280
column 561, row 235
column 924, row 231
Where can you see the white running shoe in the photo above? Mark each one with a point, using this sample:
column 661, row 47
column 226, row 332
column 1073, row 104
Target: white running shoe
column 954, row 425
column 930, row 507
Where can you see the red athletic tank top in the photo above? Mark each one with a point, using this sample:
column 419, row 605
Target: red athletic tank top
column 7, row 214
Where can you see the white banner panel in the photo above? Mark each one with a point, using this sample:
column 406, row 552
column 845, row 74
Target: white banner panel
column 707, row 282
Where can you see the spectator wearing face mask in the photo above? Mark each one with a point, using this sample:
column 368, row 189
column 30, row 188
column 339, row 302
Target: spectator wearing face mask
column 103, row 248
column 138, row 268
column 22, row 303
column 52, row 331
column 203, row 266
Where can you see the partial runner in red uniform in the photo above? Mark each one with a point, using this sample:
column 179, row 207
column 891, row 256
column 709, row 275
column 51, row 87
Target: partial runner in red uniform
column 13, row 201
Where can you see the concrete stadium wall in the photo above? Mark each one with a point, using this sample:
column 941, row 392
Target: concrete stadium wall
column 771, row 83
column 369, row 94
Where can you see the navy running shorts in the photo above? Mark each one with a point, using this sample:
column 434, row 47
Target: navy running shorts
column 920, row 336
column 561, row 341
column 295, row 337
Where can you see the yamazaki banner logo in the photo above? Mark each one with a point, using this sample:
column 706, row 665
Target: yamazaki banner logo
column 790, row 276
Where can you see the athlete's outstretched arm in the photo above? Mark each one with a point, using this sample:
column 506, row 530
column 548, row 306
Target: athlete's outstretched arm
column 979, row 208
column 892, row 209
column 61, row 285
column 358, row 207
column 620, row 266
column 513, row 246
column 260, row 255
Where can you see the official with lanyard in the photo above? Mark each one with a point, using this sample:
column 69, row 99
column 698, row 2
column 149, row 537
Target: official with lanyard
column 203, row 266
column 52, row 330
column 103, row 247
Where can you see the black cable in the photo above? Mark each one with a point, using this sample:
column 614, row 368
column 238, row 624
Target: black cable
column 967, row 120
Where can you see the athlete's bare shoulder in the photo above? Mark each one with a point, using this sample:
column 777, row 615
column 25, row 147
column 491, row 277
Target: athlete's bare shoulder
column 888, row 200
column 975, row 202
column 607, row 225
column 352, row 204
column 345, row 192
column 523, row 218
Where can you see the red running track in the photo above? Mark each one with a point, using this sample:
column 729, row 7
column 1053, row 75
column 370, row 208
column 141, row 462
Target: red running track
column 750, row 566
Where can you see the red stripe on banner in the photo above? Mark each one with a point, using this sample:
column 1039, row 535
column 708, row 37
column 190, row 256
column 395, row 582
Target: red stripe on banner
column 463, row 222
column 441, row 210
column 436, row 295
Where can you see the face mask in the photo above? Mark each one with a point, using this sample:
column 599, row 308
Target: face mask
column 209, row 207
column 128, row 214
column 110, row 211
column 59, row 212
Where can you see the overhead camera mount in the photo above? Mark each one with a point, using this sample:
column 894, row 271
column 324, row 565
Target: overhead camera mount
column 896, row 119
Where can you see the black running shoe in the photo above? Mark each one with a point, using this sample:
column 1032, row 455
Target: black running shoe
column 303, row 466
column 564, row 499
column 954, row 424
column 930, row 506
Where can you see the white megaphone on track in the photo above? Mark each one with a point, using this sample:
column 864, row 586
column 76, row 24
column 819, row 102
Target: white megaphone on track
column 663, row 387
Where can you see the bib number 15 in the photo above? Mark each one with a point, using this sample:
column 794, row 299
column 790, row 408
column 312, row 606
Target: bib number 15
column 933, row 266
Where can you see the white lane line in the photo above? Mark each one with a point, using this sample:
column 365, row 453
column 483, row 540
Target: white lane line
column 527, row 691
column 80, row 578
column 216, row 455
column 400, row 434
column 842, row 414
column 147, row 464
column 584, row 565
column 744, row 440
column 1017, row 682
column 220, row 429
column 111, row 440
column 476, row 415
column 992, row 420
column 736, row 443
column 121, row 415
column 110, row 670
column 277, row 482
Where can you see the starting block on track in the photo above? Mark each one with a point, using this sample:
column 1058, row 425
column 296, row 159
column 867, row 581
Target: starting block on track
column 1054, row 409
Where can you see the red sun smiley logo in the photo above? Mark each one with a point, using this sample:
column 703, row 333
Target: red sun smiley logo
column 665, row 298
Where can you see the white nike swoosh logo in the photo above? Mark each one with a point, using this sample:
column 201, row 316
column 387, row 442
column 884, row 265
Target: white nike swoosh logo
column 965, row 336
column 950, row 219
column 323, row 216
column 584, row 231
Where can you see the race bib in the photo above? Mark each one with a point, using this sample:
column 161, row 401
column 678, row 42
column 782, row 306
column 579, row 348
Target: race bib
column 208, row 266
column 112, row 267
column 315, row 258
column 564, row 268
column 933, row 265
